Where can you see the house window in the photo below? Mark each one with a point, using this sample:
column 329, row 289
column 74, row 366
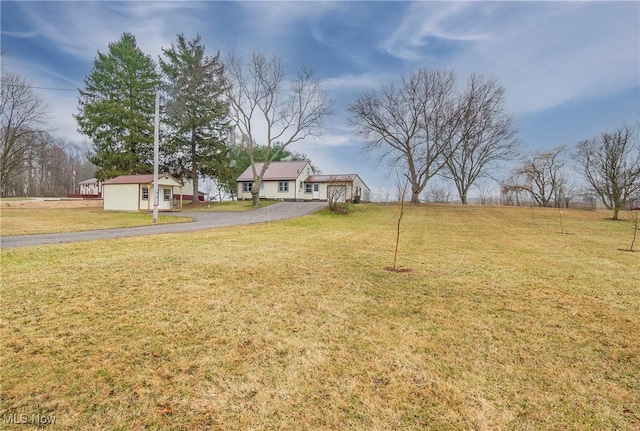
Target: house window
column 145, row 193
column 307, row 188
column 167, row 194
column 246, row 187
column 283, row 186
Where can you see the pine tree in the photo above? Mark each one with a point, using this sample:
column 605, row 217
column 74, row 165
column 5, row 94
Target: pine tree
column 196, row 111
column 116, row 109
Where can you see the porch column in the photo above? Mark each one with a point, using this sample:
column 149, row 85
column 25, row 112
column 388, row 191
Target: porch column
column 149, row 194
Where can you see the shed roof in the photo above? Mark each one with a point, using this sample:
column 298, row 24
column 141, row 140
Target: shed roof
column 331, row 178
column 164, row 179
column 276, row 171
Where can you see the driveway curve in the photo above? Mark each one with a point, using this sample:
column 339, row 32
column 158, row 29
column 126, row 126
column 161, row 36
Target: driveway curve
column 202, row 220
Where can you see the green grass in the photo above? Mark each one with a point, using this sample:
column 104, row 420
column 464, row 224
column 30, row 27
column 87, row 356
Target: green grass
column 501, row 323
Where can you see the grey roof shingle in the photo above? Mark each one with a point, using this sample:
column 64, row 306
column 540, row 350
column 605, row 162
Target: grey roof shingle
column 137, row 179
column 276, row 171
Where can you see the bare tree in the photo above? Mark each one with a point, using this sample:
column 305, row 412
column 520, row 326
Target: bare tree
column 438, row 194
column 268, row 110
column 337, row 194
column 486, row 135
column 611, row 165
column 410, row 124
column 634, row 210
column 484, row 191
column 541, row 176
column 22, row 117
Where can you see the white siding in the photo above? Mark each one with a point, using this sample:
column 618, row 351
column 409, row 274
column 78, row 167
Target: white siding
column 120, row 197
column 272, row 189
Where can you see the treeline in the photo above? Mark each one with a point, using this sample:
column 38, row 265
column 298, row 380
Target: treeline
column 426, row 125
column 33, row 161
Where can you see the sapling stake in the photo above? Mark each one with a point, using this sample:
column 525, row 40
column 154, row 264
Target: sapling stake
column 633, row 215
column 395, row 254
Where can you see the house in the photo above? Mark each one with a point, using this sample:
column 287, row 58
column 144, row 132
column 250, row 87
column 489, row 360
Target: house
column 296, row 181
column 340, row 187
column 135, row 193
column 90, row 188
column 187, row 191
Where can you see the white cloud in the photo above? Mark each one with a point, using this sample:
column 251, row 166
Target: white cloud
column 545, row 54
column 78, row 28
column 431, row 20
column 355, row 82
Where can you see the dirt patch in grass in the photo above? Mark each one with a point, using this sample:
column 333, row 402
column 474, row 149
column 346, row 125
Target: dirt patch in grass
column 397, row 269
column 501, row 325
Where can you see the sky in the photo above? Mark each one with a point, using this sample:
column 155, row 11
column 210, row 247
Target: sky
column 571, row 70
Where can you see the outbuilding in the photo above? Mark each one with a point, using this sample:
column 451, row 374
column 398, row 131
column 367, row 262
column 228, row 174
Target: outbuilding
column 135, row 193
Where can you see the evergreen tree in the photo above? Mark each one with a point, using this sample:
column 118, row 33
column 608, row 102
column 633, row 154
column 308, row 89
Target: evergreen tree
column 196, row 111
column 116, row 109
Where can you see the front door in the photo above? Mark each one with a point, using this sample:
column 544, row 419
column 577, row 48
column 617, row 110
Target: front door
column 316, row 191
column 261, row 194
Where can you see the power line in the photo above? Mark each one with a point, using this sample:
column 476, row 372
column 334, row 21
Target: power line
column 41, row 88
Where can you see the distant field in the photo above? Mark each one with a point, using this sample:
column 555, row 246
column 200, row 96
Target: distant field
column 34, row 217
column 501, row 322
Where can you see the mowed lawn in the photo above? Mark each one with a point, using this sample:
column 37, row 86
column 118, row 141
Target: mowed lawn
column 501, row 322
column 28, row 218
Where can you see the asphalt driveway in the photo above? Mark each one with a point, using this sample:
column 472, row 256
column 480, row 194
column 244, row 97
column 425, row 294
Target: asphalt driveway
column 202, row 220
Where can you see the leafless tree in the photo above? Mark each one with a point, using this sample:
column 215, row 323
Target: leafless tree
column 409, row 124
column 337, row 194
column 541, row 176
column 22, row 116
column 634, row 211
column 484, row 191
column 486, row 135
column 611, row 165
column 266, row 109
column 438, row 194
column 402, row 186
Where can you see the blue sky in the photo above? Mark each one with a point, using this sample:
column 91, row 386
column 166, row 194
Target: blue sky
column 570, row 69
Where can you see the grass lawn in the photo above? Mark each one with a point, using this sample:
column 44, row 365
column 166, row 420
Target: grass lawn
column 15, row 199
column 35, row 219
column 234, row 206
column 500, row 323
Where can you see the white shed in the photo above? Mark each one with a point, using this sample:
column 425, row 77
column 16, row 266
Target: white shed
column 135, row 193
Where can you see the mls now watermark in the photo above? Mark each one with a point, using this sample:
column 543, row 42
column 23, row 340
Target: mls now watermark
column 32, row 419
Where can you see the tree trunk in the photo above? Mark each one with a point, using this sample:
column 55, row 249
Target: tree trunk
column 255, row 193
column 194, row 170
column 255, row 197
column 615, row 212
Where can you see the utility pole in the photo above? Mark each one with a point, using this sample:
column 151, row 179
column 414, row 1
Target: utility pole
column 156, row 138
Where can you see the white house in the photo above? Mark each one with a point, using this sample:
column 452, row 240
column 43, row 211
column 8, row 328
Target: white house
column 90, row 187
column 135, row 193
column 296, row 181
column 187, row 191
column 342, row 187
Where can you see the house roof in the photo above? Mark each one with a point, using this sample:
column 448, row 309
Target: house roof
column 345, row 178
column 276, row 171
column 330, row 178
column 89, row 181
column 164, row 179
